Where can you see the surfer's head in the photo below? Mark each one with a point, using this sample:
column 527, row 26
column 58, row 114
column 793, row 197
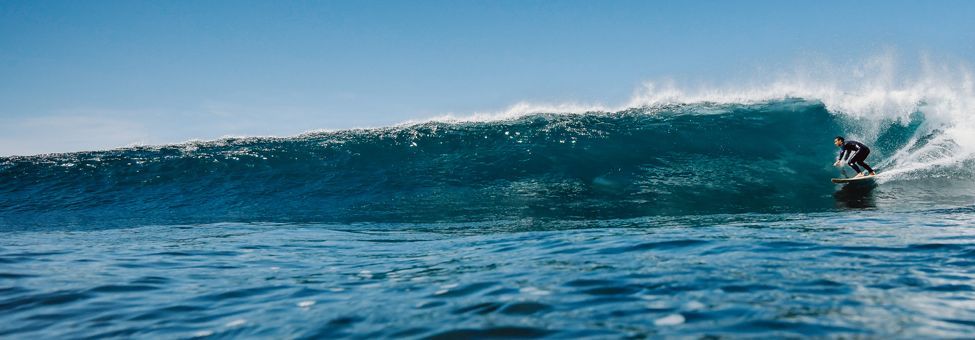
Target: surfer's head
column 838, row 141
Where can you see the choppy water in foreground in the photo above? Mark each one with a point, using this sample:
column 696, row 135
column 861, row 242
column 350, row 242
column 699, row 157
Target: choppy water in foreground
column 683, row 220
column 833, row 274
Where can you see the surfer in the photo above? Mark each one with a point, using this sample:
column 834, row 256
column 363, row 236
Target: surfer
column 855, row 153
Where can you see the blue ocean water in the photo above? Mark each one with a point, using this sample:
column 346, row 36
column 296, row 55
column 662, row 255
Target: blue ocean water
column 687, row 220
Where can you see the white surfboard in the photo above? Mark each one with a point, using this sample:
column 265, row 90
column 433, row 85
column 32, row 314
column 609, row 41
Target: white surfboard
column 851, row 179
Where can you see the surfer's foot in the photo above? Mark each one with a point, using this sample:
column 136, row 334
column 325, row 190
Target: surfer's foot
column 873, row 173
column 858, row 176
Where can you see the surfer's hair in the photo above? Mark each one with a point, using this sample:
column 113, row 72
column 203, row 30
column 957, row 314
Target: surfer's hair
column 840, row 138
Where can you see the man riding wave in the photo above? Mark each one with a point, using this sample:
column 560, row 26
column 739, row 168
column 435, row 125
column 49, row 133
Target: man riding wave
column 854, row 153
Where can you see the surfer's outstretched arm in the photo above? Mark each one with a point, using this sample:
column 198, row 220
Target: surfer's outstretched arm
column 839, row 159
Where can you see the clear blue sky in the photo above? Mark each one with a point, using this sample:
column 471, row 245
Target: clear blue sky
column 78, row 75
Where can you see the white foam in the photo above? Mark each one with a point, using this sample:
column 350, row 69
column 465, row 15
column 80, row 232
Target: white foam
column 235, row 323
column 669, row 320
column 202, row 334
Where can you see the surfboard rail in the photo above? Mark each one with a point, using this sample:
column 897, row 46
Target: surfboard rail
column 851, row 180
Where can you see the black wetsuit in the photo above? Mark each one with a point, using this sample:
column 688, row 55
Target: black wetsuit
column 855, row 153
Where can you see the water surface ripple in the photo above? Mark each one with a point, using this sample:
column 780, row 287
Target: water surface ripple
column 870, row 274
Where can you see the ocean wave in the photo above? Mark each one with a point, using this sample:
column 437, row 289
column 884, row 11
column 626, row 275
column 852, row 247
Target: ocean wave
column 673, row 159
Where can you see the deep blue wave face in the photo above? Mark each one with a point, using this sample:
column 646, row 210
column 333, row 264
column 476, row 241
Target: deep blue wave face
column 678, row 160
